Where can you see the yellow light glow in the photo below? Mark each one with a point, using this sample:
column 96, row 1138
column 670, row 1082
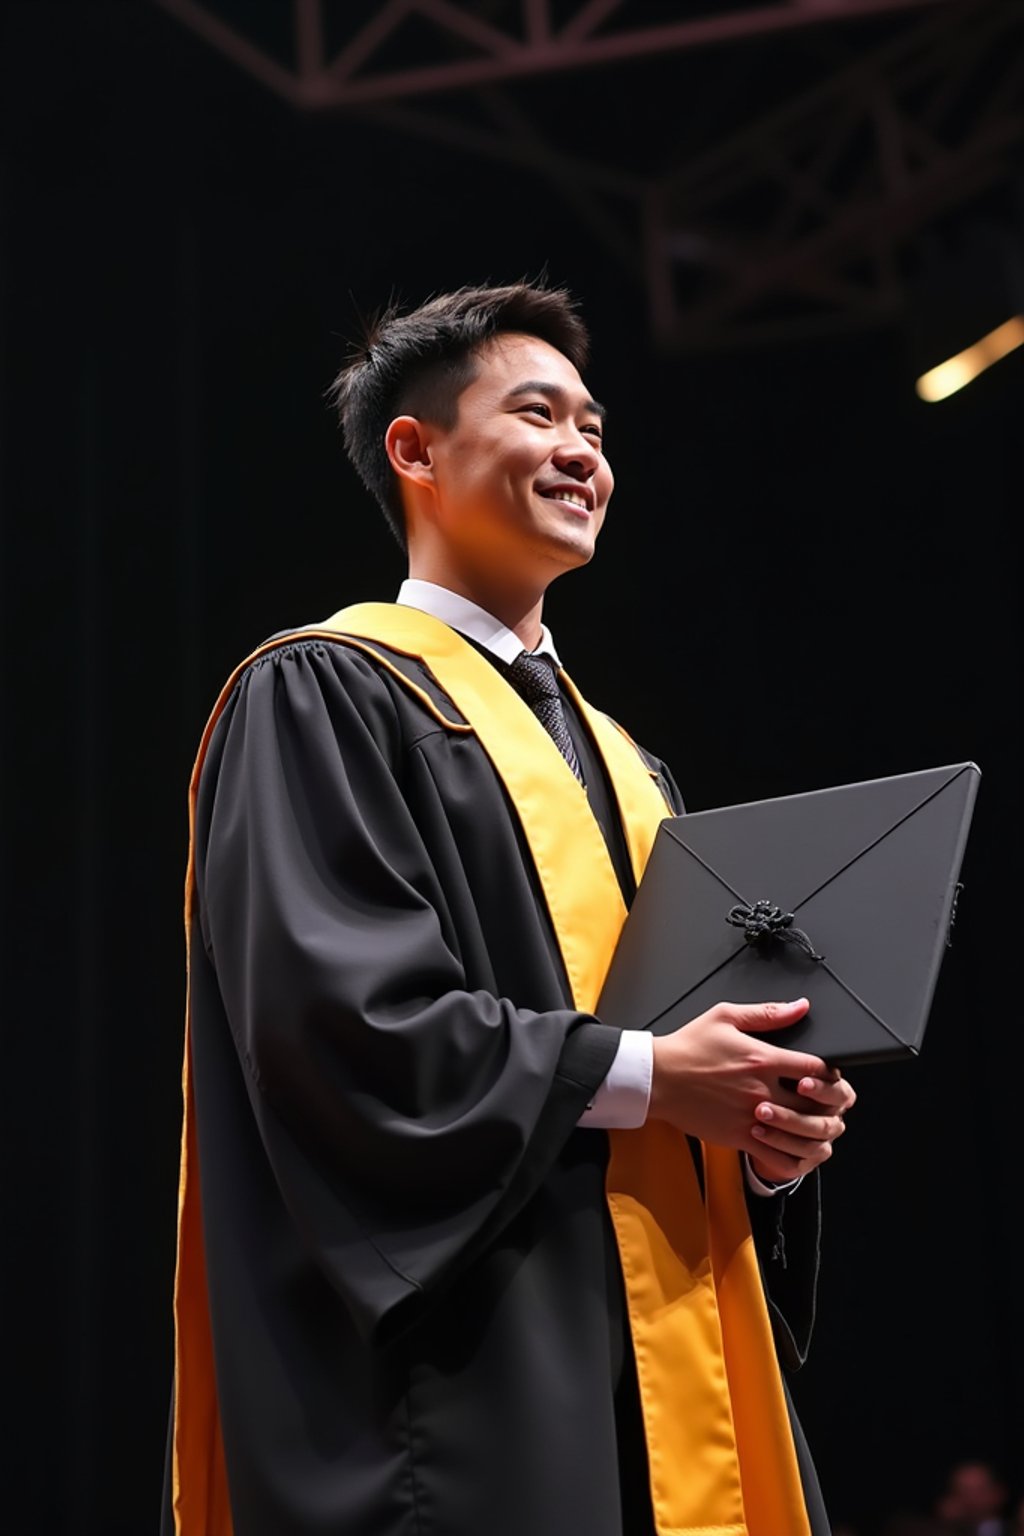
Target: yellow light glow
column 955, row 372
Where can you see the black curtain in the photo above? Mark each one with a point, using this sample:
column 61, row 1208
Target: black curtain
column 815, row 569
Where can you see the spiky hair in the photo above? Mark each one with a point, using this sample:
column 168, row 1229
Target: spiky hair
column 418, row 363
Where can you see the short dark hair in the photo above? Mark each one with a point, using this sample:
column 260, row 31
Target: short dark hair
column 419, row 363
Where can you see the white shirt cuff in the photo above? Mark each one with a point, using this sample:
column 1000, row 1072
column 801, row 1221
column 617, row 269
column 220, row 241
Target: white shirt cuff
column 623, row 1099
column 761, row 1188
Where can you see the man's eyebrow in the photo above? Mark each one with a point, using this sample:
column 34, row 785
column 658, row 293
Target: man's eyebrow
column 556, row 393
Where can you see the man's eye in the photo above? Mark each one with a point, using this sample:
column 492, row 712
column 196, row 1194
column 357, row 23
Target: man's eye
column 597, row 433
column 540, row 408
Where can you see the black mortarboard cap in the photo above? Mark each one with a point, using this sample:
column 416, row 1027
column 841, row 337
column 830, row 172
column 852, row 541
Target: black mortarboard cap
column 845, row 896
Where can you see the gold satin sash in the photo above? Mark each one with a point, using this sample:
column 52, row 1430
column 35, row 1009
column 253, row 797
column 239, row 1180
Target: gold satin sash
column 719, row 1442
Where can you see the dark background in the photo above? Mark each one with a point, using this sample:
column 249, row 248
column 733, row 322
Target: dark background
column 815, row 568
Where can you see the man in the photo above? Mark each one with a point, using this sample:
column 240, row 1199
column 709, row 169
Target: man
column 973, row 1501
column 454, row 1257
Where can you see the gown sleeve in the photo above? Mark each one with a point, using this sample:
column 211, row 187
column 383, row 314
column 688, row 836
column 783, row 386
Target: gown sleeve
column 406, row 1116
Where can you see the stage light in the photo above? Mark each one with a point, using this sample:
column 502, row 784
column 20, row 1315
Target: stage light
column 944, row 380
column 965, row 307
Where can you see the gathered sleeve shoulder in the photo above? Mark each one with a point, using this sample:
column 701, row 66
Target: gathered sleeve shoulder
column 407, row 1115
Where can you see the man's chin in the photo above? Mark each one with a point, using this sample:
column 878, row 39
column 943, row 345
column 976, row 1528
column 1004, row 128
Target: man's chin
column 576, row 552
column 572, row 543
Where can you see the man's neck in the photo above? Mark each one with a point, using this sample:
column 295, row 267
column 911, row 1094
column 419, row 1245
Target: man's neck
column 520, row 612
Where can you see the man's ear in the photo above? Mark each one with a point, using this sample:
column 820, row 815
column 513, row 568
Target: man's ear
column 407, row 443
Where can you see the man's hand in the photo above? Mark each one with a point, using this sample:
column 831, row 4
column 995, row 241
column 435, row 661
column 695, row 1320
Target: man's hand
column 713, row 1080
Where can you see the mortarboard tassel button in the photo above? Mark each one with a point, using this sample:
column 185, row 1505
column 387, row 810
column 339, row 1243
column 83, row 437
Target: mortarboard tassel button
column 764, row 922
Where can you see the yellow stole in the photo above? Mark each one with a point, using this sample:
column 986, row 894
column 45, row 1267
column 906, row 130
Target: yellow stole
column 719, row 1442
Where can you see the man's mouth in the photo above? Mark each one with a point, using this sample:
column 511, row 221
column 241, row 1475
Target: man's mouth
column 573, row 496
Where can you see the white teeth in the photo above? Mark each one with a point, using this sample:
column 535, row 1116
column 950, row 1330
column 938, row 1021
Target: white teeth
column 572, row 497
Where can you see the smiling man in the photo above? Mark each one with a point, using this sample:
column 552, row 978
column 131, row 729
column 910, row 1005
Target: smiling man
column 514, row 491
column 454, row 1257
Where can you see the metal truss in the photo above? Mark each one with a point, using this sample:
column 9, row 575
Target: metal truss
column 530, row 40
column 860, row 166
column 796, row 222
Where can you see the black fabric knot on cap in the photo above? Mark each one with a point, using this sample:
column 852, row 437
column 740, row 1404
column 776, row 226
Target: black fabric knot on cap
column 764, row 922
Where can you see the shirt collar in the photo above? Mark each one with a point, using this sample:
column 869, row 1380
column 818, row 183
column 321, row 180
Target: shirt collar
column 471, row 620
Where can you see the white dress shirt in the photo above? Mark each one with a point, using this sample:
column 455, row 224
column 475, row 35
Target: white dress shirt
column 623, row 1099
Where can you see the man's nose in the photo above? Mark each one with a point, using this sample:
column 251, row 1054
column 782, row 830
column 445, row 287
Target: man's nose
column 577, row 454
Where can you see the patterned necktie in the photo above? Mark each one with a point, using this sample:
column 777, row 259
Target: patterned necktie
column 533, row 678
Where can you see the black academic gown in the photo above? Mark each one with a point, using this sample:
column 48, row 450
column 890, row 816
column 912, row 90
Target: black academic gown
column 415, row 1296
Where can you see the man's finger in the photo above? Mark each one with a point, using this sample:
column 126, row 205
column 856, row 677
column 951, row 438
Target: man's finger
column 757, row 1016
column 828, row 1090
column 796, row 1123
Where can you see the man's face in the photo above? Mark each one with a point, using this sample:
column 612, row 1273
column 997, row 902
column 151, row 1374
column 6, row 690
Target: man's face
column 521, row 481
